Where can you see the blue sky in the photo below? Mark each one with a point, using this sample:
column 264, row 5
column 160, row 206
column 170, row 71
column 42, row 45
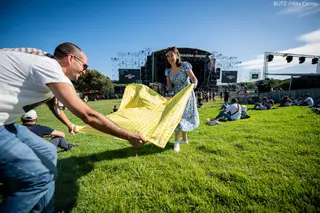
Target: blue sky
column 245, row 29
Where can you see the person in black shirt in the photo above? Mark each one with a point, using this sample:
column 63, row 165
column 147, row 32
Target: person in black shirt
column 115, row 108
column 29, row 120
column 226, row 96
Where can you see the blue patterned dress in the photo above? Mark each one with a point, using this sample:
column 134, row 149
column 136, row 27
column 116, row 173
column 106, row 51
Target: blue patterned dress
column 190, row 117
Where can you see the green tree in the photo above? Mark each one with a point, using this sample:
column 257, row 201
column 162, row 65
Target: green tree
column 94, row 81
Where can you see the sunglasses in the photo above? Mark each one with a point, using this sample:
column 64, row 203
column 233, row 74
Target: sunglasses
column 85, row 66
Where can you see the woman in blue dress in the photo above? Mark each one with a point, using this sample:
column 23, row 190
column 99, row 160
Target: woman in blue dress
column 178, row 75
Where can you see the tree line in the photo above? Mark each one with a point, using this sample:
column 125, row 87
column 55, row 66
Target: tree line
column 93, row 80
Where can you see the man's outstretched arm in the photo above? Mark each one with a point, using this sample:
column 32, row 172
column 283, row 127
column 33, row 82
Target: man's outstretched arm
column 68, row 96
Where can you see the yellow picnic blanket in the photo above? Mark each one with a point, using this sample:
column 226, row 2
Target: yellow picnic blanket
column 145, row 111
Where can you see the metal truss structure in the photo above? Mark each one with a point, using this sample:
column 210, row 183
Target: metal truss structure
column 129, row 60
column 265, row 64
column 226, row 63
column 143, row 60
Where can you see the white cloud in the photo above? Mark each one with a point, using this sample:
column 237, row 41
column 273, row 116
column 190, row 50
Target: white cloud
column 291, row 10
column 312, row 47
column 310, row 37
column 300, row 10
column 310, row 12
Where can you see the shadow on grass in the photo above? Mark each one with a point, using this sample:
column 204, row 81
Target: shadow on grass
column 72, row 168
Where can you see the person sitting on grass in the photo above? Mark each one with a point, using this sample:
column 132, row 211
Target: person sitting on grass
column 316, row 110
column 307, row 101
column 297, row 101
column 224, row 106
column 244, row 112
column 259, row 106
column 285, row 101
column 264, row 101
column 231, row 113
column 30, row 119
column 316, row 107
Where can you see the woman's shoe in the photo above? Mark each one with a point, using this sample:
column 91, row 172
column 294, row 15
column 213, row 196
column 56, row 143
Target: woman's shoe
column 176, row 146
column 183, row 142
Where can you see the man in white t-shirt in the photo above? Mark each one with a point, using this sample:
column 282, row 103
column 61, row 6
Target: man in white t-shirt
column 232, row 112
column 27, row 161
column 307, row 101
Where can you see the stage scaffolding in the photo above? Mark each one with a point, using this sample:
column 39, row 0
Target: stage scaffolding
column 129, row 60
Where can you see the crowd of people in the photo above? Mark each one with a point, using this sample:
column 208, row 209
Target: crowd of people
column 234, row 111
column 203, row 95
column 305, row 100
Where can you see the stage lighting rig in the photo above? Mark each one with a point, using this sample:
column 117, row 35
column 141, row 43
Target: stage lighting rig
column 270, row 58
column 302, row 60
column 289, row 58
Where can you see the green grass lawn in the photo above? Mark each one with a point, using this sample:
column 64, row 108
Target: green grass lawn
column 268, row 163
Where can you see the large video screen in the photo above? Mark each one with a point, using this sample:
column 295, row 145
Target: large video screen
column 229, row 76
column 127, row 76
column 255, row 76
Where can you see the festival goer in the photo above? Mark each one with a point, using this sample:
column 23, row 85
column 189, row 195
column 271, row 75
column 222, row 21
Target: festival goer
column 244, row 112
column 261, row 103
column 316, row 107
column 231, row 113
column 200, row 99
column 226, row 96
column 207, row 96
column 30, row 119
column 297, row 100
column 307, row 101
column 285, row 101
column 259, row 106
column 85, row 99
column 179, row 73
column 27, row 80
column 115, row 108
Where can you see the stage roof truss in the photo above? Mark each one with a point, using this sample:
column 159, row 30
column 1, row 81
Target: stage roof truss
column 265, row 64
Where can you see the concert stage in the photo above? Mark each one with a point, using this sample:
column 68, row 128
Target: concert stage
column 154, row 68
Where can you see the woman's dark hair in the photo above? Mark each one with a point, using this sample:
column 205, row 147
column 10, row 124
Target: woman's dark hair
column 177, row 53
